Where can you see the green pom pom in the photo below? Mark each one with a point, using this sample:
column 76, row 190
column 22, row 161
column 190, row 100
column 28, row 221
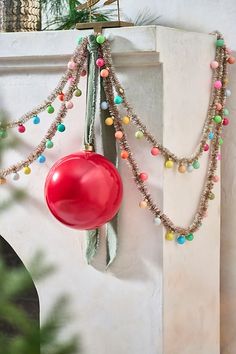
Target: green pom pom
column 118, row 100
column 78, row 93
column 196, row 164
column 61, row 128
column 49, row 144
column 50, row 109
column 217, row 119
column 220, row 42
column 139, row 134
column 189, row 237
column 79, row 40
column 211, row 196
column 221, row 141
column 100, row 39
column 226, row 112
column 3, row 134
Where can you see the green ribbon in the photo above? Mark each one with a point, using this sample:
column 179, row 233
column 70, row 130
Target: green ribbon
column 92, row 83
column 109, row 150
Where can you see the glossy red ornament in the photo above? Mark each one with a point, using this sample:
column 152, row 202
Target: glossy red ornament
column 83, row 190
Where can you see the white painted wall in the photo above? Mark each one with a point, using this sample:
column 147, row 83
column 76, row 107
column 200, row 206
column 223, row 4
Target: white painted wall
column 201, row 15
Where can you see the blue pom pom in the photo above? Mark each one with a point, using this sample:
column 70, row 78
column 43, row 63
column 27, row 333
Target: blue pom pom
column 104, row 105
column 41, row 159
column 211, row 135
column 36, row 120
column 180, row 240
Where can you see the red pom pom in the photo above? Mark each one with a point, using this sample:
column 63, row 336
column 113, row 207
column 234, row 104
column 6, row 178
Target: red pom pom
column 21, row 128
column 61, row 96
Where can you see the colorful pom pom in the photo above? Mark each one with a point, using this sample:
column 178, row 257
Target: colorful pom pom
column 126, row 120
column 220, row 42
column 189, row 237
column 100, row 62
column 118, row 135
column 169, row 236
column 217, row 119
column 27, row 170
column 109, row 121
column 118, row 100
column 196, row 164
column 50, row 109
column 104, row 105
column 21, row 128
column 69, row 105
column 155, row 151
column 100, row 39
column 124, row 154
column 36, row 120
column 181, row 240
column 139, row 134
column 49, row 144
column 143, row 176
column 169, row 164
column 61, row 128
column 104, row 73
column 78, row 92
column 41, row 159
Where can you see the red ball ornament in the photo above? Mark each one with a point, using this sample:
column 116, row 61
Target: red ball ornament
column 83, row 190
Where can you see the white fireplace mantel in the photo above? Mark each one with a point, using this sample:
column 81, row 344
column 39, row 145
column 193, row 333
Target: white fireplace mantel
column 158, row 297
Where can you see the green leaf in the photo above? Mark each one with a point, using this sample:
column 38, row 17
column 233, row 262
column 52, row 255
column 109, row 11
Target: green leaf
column 92, row 244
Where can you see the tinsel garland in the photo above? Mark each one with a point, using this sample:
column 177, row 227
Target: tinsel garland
column 213, row 125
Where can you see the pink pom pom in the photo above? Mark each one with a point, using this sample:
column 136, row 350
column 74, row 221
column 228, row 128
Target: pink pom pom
column 219, row 106
column 155, row 151
column 206, row 147
column 219, row 157
column 100, row 62
column 215, row 179
column 143, row 176
column 71, row 65
column 104, row 73
column 119, row 135
column 71, row 80
column 69, row 105
column 218, row 84
column 214, row 64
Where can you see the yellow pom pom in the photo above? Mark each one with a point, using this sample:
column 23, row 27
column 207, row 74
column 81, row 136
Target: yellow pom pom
column 169, row 164
column 27, row 170
column 109, row 121
column 170, row 236
column 126, row 120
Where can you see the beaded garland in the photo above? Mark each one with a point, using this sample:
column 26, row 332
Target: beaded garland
column 210, row 140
